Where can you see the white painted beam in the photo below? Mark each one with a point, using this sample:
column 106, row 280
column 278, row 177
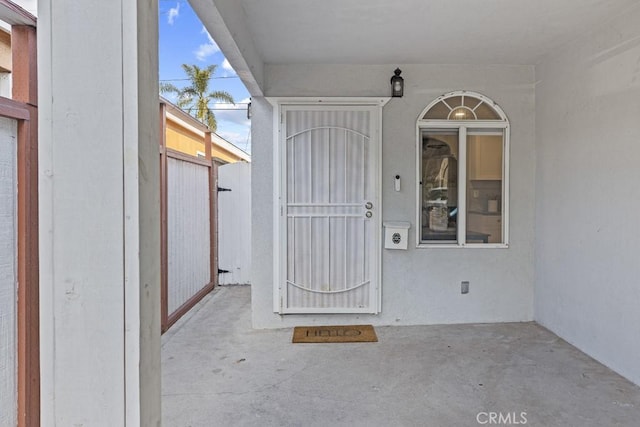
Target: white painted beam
column 99, row 213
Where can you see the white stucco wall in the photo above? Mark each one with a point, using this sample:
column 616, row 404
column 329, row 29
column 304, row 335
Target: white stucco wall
column 99, row 213
column 588, row 198
column 420, row 286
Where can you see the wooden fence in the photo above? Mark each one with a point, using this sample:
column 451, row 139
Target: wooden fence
column 19, row 276
column 8, row 270
column 188, row 202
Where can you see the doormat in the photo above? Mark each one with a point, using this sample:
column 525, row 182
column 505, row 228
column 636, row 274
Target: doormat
column 327, row 334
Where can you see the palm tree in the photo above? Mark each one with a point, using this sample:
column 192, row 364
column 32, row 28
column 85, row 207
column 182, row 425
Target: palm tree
column 195, row 97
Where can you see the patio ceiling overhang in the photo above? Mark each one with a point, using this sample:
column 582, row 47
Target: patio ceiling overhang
column 253, row 33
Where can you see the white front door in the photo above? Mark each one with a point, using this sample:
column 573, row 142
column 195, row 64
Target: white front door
column 329, row 209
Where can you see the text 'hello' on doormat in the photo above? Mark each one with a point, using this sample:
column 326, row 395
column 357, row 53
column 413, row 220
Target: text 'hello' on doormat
column 331, row 334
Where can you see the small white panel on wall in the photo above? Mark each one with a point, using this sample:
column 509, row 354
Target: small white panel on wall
column 396, row 234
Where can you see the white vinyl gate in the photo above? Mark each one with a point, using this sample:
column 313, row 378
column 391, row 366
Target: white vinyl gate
column 330, row 216
column 234, row 223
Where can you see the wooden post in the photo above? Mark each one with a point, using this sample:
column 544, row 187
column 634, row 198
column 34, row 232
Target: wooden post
column 164, row 249
column 213, row 210
column 25, row 89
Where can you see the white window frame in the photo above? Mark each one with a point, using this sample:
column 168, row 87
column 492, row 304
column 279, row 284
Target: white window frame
column 463, row 126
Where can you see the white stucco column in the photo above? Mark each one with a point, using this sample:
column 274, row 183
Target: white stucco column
column 99, row 213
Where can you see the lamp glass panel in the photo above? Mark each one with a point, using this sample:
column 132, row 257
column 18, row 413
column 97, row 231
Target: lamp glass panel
column 462, row 113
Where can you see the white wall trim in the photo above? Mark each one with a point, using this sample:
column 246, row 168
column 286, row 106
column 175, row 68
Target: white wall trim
column 131, row 215
column 277, row 167
column 338, row 100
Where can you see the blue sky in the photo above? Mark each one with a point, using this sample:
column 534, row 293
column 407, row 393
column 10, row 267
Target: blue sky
column 184, row 40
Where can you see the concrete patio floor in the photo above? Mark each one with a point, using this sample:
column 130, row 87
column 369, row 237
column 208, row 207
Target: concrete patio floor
column 217, row 371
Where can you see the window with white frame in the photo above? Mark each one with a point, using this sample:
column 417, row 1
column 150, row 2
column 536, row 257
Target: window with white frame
column 463, row 164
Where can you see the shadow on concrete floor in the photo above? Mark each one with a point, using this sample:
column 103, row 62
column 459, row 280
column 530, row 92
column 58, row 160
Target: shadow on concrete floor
column 217, row 371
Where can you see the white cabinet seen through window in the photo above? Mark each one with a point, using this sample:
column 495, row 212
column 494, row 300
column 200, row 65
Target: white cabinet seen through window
column 485, row 157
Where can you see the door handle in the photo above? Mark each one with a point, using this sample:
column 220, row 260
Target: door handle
column 368, row 205
column 369, row 214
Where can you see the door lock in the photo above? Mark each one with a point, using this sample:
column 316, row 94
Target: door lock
column 368, row 205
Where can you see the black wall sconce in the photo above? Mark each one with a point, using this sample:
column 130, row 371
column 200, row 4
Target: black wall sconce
column 397, row 84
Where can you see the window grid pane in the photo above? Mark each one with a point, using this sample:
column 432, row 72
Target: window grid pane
column 439, row 185
column 438, row 112
column 484, row 187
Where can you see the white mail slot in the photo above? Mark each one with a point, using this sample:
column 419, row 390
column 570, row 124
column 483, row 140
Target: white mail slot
column 396, row 234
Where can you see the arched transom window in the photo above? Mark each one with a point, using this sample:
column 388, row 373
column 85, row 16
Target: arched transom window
column 463, row 153
column 463, row 106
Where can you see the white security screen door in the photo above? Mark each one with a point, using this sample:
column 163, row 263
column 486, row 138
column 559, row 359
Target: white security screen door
column 329, row 209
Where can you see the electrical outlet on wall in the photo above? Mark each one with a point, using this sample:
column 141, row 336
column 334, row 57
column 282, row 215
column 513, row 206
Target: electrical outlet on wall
column 476, row 194
column 464, row 287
